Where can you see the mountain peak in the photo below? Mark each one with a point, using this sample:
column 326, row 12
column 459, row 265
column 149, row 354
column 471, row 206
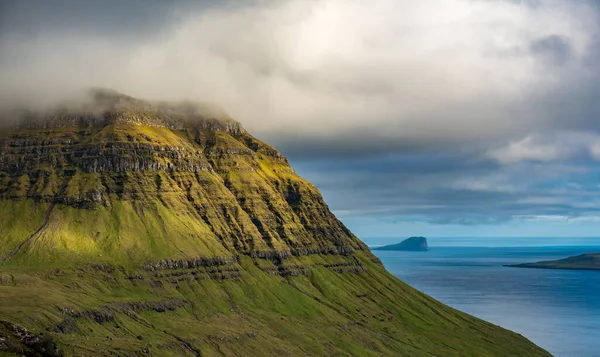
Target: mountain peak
column 103, row 93
column 99, row 107
column 178, row 158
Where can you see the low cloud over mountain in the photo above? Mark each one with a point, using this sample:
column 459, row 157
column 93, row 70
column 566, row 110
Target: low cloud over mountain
column 447, row 112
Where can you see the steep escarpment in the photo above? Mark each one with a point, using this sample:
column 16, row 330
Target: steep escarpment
column 134, row 228
column 238, row 193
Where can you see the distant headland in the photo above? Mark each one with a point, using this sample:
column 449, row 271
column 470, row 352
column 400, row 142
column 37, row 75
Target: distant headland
column 413, row 244
column 580, row 262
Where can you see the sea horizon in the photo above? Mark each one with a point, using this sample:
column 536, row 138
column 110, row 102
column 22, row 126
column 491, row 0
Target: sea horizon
column 491, row 242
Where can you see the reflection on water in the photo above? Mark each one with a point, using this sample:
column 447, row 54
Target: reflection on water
column 557, row 309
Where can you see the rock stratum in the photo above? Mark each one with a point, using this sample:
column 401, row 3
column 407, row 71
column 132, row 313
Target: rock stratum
column 137, row 228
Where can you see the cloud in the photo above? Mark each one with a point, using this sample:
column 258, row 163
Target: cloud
column 556, row 49
column 594, row 148
column 529, row 148
column 419, row 72
column 442, row 111
column 453, row 188
column 547, row 147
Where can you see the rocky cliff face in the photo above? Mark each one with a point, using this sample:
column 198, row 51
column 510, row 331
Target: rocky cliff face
column 134, row 228
column 152, row 157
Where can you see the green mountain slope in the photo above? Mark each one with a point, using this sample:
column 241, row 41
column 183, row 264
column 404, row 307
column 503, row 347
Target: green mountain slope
column 134, row 228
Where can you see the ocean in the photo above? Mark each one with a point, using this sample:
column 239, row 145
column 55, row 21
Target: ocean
column 558, row 310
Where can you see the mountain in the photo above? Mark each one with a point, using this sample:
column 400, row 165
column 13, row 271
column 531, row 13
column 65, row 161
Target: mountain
column 579, row 262
column 138, row 228
column 416, row 244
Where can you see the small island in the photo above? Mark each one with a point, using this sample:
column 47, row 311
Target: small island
column 580, row 262
column 412, row 244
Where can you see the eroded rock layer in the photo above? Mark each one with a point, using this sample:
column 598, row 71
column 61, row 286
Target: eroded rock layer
column 150, row 158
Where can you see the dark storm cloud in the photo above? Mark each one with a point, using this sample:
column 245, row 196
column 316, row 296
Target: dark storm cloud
column 466, row 188
column 464, row 111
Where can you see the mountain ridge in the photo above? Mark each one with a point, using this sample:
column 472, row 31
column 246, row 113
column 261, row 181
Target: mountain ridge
column 116, row 144
column 589, row 261
column 149, row 231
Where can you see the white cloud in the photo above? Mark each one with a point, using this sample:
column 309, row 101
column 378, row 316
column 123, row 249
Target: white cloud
column 542, row 218
column 554, row 146
column 594, row 149
column 585, row 219
column 529, row 149
column 419, row 70
column 497, row 182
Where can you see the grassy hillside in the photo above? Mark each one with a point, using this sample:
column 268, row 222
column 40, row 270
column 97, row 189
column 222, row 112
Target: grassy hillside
column 245, row 308
column 131, row 228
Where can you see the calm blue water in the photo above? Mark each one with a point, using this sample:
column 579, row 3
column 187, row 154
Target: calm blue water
column 557, row 309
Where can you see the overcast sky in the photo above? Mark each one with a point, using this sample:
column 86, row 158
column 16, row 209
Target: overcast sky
column 435, row 118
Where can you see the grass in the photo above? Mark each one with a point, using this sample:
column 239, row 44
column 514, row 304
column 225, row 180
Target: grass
column 323, row 313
